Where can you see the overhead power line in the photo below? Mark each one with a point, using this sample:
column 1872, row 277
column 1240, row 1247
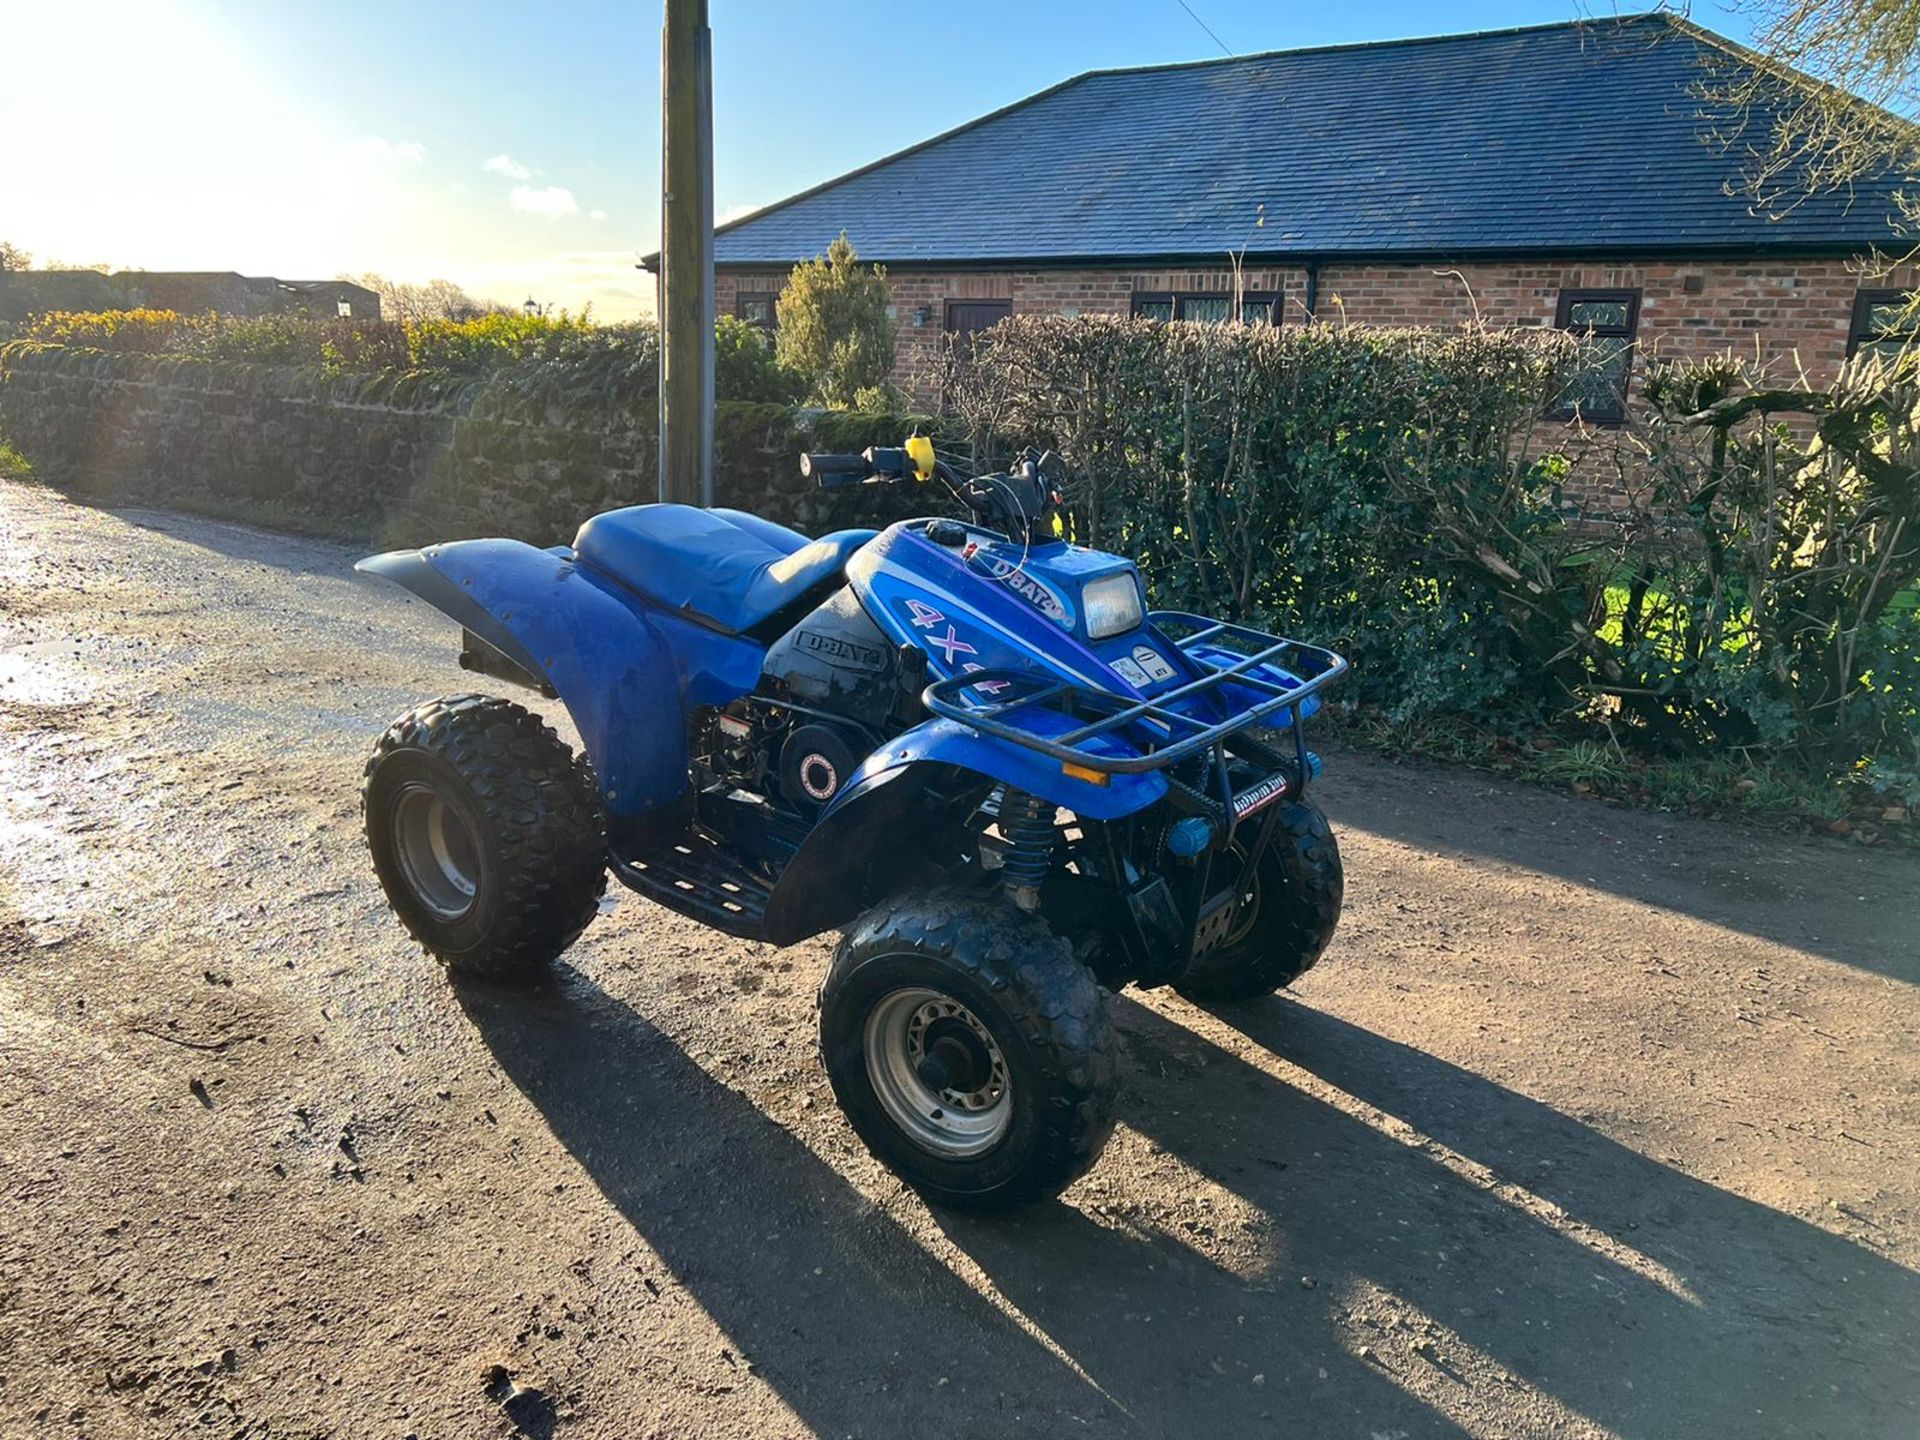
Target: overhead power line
column 1206, row 27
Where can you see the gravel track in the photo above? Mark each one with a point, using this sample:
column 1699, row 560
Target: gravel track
column 1592, row 1122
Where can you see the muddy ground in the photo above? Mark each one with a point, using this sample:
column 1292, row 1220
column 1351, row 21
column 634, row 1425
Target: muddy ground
column 1592, row 1122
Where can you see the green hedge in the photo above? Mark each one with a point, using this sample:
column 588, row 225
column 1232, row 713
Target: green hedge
column 1393, row 493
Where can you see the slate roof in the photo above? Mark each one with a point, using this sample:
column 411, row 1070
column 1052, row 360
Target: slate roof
column 1588, row 137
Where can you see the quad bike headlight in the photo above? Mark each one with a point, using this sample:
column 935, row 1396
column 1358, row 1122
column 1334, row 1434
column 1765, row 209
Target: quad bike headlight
column 1112, row 605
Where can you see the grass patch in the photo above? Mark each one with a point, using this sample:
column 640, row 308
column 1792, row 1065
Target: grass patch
column 14, row 465
column 1585, row 762
column 1878, row 804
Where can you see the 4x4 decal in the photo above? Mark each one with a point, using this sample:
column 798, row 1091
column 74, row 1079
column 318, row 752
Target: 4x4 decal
column 925, row 617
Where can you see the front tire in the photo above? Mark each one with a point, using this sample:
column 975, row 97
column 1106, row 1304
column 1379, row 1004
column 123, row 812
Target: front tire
column 969, row 1049
column 487, row 833
column 1292, row 913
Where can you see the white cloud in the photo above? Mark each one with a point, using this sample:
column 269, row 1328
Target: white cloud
column 375, row 150
column 552, row 201
column 505, row 164
column 596, row 214
column 735, row 212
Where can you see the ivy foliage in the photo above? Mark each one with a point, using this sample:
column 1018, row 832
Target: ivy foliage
column 1395, row 494
column 1781, row 610
column 745, row 366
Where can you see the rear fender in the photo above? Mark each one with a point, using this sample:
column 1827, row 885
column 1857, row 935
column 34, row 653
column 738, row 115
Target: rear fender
column 604, row 655
column 887, row 825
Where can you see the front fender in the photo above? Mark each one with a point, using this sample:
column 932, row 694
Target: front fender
column 952, row 743
column 597, row 648
column 882, row 831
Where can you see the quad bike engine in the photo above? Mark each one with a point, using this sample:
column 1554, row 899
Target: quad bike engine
column 814, row 763
column 758, row 745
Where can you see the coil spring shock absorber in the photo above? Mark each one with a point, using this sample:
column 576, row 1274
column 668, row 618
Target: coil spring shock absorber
column 1026, row 824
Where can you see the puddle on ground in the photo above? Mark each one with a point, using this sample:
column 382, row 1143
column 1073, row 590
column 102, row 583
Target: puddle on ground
column 31, row 675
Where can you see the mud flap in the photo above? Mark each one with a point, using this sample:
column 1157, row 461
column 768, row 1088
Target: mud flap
column 856, row 853
column 900, row 820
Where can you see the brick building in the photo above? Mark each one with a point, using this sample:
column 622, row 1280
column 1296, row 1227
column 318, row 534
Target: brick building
column 1562, row 175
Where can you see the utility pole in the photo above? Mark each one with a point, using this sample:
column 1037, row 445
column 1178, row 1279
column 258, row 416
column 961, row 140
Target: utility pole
column 686, row 254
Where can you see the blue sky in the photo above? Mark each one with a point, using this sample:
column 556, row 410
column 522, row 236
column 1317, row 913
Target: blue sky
column 515, row 147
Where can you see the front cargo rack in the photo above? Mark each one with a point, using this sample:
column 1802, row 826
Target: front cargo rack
column 1169, row 735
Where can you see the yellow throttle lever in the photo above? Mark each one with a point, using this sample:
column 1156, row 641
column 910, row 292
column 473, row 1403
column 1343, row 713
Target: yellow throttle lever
column 920, row 452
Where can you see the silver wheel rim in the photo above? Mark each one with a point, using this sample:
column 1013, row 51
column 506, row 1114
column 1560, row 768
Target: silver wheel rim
column 952, row 1123
column 436, row 849
column 1246, row 906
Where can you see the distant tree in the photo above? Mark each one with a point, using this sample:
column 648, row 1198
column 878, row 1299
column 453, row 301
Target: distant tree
column 12, row 257
column 415, row 304
column 833, row 325
column 447, row 301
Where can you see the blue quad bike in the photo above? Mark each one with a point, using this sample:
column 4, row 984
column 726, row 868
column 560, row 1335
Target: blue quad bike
column 962, row 744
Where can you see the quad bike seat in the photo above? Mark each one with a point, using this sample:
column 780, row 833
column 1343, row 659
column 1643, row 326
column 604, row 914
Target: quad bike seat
column 725, row 568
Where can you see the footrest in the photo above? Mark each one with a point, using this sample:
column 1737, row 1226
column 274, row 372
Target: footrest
column 696, row 877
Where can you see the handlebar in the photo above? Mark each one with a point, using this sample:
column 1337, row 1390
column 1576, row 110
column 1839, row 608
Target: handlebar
column 877, row 465
column 832, row 469
column 1015, row 501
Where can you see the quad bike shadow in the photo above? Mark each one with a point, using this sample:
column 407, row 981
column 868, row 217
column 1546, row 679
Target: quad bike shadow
column 841, row 1311
column 856, row 1325
column 1640, row 1300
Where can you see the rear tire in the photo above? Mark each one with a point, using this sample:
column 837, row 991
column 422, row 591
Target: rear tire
column 487, row 833
column 1297, row 894
column 1021, row 1102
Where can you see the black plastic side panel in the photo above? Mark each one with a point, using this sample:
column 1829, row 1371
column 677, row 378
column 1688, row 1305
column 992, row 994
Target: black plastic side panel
column 481, row 658
column 838, row 660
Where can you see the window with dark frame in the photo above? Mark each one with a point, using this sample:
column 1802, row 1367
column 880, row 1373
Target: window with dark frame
column 1606, row 321
column 1260, row 307
column 757, row 308
column 1882, row 323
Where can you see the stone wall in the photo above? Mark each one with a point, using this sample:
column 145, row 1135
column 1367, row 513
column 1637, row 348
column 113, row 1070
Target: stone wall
column 1793, row 311
column 403, row 459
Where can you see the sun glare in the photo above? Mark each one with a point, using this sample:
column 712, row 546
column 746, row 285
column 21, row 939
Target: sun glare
column 197, row 150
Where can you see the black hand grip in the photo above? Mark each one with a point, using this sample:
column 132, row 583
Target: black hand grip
column 830, row 469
